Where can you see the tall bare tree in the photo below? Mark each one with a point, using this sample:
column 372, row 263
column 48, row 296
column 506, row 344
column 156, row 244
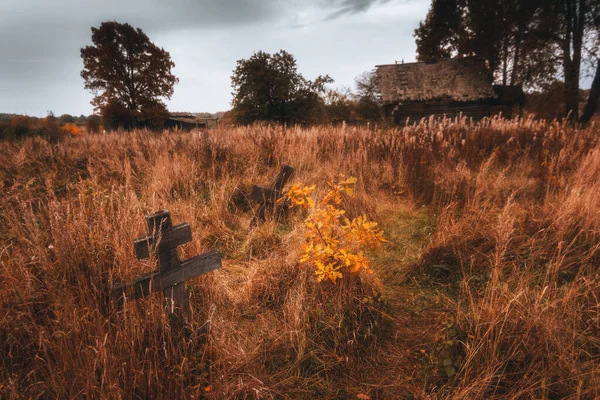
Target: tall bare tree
column 367, row 95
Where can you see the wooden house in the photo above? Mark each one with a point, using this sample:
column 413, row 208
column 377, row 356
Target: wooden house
column 188, row 121
column 446, row 87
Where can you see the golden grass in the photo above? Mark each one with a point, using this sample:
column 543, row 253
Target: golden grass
column 512, row 260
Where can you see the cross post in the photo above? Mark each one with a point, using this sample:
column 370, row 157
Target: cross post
column 268, row 196
column 161, row 242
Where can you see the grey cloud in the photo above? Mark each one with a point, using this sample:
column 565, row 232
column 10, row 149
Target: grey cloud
column 349, row 7
column 155, row 14
column 40, row 28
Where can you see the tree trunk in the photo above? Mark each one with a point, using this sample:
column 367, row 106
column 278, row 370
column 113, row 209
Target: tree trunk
column 571, row 92
column 505, row 61
column 592, row 102
column 515, row 69
column 575, row 11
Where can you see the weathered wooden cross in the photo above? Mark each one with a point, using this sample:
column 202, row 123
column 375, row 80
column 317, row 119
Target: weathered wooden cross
column 268, row 196
column 162, row 242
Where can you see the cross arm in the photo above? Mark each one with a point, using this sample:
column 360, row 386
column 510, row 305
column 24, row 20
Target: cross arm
column 191, row 268
column 156, row 282
column 140, row 287
column 178, row 235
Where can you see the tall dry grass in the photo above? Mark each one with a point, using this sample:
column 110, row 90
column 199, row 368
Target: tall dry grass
column 516, row 242
column 519, row 235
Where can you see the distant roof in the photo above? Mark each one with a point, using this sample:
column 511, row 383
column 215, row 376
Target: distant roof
column 458, row 79
column 184, row 119
column 188, row 115
column 182, row 114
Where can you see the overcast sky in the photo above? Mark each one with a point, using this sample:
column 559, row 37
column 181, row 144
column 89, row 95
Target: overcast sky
column 40, row 41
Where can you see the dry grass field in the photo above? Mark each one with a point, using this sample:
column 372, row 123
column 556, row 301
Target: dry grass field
column 488, row 285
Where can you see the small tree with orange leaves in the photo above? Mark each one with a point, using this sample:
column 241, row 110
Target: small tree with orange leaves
column 334, row 243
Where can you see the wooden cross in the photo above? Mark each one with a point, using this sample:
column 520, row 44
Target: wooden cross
column 268, row 196
column 162, row 242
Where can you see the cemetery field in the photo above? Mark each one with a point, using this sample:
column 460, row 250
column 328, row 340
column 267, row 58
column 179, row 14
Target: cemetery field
column 487, row 284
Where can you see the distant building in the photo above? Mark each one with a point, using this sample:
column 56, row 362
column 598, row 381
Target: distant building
column 446, row 87
column 189, row 121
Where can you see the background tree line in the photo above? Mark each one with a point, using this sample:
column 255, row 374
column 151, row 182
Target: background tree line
column 20, row 126
column 533, row 43
column 544, row 45
column 130, row 78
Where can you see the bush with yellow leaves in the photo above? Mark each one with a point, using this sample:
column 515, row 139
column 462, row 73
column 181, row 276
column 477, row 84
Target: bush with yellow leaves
column 334, row 243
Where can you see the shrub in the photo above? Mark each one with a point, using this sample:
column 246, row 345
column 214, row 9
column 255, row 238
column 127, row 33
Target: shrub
column 93, row 123
column 66, row 119
column 334, row 243
column 71, row 129
column 4, row 129
column 115, row 115
column 22, row 126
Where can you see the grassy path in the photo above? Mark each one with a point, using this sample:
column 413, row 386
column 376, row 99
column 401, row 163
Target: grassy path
column 402, row 366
